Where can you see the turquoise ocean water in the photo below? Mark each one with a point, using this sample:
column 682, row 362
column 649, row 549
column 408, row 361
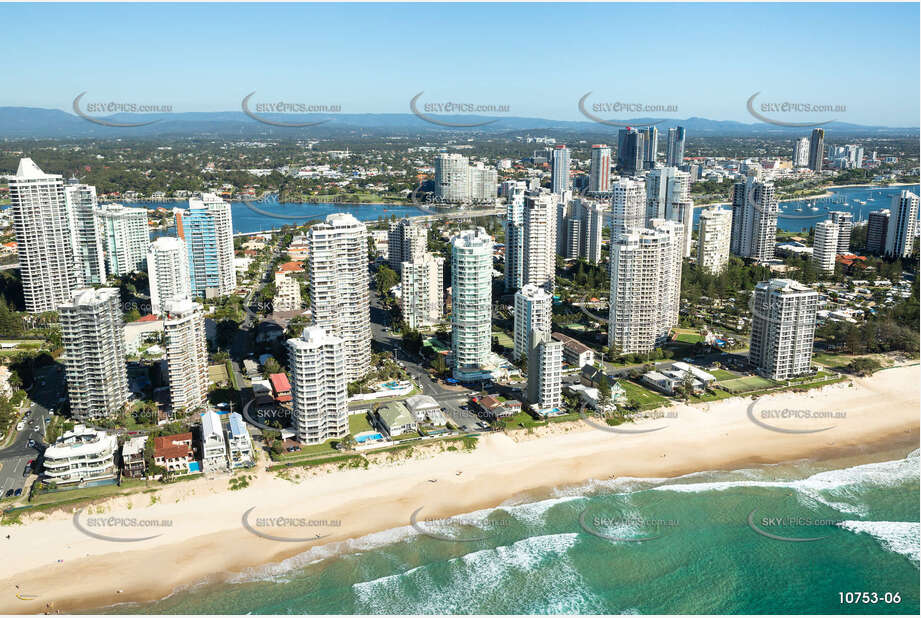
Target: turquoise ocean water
column 682, row 545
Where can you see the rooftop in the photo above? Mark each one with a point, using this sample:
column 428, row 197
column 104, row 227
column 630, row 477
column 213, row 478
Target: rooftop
column 280, row 382
column 395, row 413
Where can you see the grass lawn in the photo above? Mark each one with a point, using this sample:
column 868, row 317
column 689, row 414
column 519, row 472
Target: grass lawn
column 218, row 373
column 405, row 436
column 310, row 450
column 748, row 383
column 644, row 398
column 128, row 486
column 714, row 396
column 359, row 423
column 688, row 337
column 522, row 420
column 832, row 360
column 504, row 340
column 722, row 374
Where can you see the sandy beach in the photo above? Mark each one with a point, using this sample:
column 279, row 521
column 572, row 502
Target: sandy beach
column 53, row 566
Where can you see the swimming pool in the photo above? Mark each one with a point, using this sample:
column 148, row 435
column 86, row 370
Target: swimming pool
column 194, row 467
column 364, row 437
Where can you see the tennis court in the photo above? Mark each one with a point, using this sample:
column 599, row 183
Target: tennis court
column 746, row 384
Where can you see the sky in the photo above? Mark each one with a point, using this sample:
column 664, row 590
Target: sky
column 537, row 59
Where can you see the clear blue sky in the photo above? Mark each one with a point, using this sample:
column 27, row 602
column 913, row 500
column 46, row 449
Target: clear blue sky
column 538, row 58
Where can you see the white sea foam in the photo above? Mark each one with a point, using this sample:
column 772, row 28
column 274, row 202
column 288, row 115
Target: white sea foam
column 548, row 582
column 838, row 489
column 279, row 572
column 900, row 537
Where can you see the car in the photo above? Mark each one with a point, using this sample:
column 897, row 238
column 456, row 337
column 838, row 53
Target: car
column 26, row 471
column 31, row 443
column 18, row 492
column 9, row 492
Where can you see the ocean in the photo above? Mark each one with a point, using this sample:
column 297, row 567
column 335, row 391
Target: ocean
column 709, row 542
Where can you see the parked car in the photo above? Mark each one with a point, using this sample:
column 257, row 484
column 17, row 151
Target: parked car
column 18, row 492
column 9, row 492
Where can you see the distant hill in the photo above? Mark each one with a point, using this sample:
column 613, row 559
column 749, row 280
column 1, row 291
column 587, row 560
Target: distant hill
column 33, row 122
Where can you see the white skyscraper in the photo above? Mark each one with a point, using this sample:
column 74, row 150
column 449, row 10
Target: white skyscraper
column 559, row 170
column 754, row 219
column 206, row 226
column 545, row 372
column 591, row 221
column 825, row 246
column 452, row 182
column 533, row 312
column 903, row 224
column 668, row 196
column 319, row 385
column 514, row 238
column 423, row 290
column 599, row 178
column 405, row 242
column 168, row 272
column 801, row 152
column 783, row 328
column 457, row 181
column 94, row 353
column 337, row 270
column 539, row 242
column 645, row 286
column 471, row 300
column 44, row 238
column 186, row 353
column 628, row 205
column 483, row 183
column 125, row 236
column 88, row 248
column 844, row 221
column 713, row 240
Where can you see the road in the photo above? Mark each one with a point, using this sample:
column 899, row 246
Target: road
column 451, row 398
column 13, row 459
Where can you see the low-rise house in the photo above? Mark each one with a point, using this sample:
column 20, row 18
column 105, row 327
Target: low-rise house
column 395, row 419
column 575, row 352
column 668, row 380
column 80, row 455
column 591, row 396
column 213, row 447
column 494, row 408
column 174, row 452
column 239, row 443
column 281, row 388
column 251, row 368
column 262, row 391
column 699, row 374
column 133, row 464
column 422, row 406
column 591, row 376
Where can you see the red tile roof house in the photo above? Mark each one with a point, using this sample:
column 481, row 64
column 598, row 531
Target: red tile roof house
column 495, row 408
column 174, row 452
column 281, row 387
